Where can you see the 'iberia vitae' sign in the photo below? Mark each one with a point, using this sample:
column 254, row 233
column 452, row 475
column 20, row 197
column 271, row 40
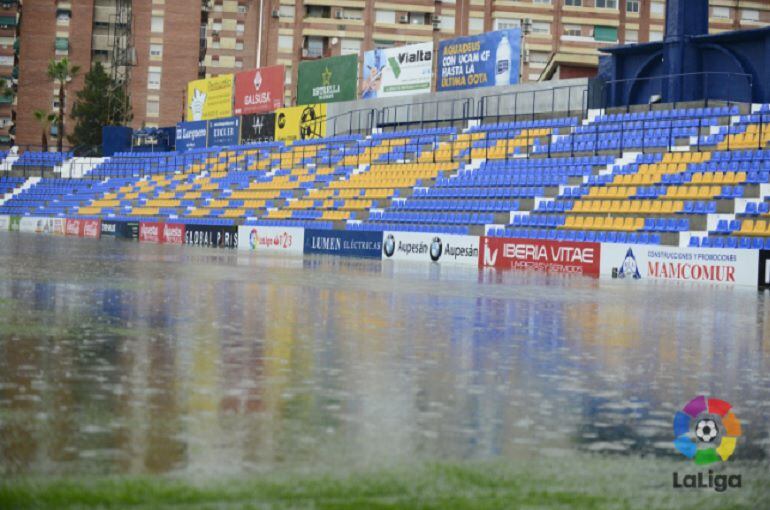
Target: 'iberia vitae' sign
column 540, row 255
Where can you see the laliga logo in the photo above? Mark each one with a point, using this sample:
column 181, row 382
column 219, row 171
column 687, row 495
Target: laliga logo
column 490, row 256
column 253, row 239
column 389, row 246
column 706, row 430
column 436, row 249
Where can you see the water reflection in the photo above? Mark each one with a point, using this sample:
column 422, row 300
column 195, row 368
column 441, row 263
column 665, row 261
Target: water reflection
column 126, row 358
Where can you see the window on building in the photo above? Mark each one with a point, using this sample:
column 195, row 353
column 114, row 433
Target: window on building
column 317, row 11
column 287, row 76
column 350, row 46
column 749, row 15
column 239, row 64
column 541, row 27
column 632, row 36
column 153, row 107
column 157, row 24
column 381, row 16
column 574, row 3
column 240, row 27
column 607, row 4
column 285, row 42
column 418, row 18
column 381, row 45
column 286, row 11
column 153, row 80
column 632, row 5
column 216, row 26
column 605, row 34
column 506, row 23
column 239, row 45
column 314, row 46
column 573, row 30
column 539, row 57
column 476, row 24
column 448, row 23
column 658, row 9
column 656, row 35
column 156, row 50
column 348, row 13
column 547, row 2
column 720, row 12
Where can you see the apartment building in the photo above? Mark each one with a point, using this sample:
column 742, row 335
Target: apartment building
column 174, row 41
column 9, row 50
column 159, row 41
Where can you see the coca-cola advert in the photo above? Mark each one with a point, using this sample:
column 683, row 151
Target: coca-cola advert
column 73, row 227
column 92, row 229
column 540, row 255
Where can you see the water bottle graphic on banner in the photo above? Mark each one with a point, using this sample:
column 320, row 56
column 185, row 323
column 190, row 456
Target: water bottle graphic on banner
column 503, row 62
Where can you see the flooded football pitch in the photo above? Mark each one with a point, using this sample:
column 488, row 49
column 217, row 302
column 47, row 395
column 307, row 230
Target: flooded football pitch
column 239, row 380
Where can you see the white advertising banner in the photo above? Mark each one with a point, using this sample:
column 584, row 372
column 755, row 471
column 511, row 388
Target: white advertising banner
column 5, row 222
column 639, row 262
column 42, row 225
column 286, row 240
column 399, row 71
column 442, row 248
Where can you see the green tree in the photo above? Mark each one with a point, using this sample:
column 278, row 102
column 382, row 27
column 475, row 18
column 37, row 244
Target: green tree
column 45, row 119
column 91, row 110
column 64, row 72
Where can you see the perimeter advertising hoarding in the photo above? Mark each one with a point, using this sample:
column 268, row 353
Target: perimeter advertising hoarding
column 161, row 233
column 344, row 242
column 215, row 236
column 5, row 222
column 83, row 228
column 400, row 71
column 446, row 249
column 210, row 98
column 42, row 225
column 73, row 227
column 708, row 265
column 257, row 128
column 540, row 255
column 259, row 90
column 306, row 122
column 276, row 240
column 224, row 132
column 327, row 80
column 191, row 135
column 485, row 60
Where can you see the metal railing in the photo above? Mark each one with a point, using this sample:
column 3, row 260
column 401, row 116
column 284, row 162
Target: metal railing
column 523, row 104
column 427, row 114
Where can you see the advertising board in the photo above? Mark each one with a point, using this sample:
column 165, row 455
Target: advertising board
column 275, row 240
column 446, row 249
column 540, row 255
column 215, row 236
column 343, row 242
column 708, row 265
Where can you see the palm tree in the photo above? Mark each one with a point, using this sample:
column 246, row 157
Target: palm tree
column 45, row 119
column 64, row 72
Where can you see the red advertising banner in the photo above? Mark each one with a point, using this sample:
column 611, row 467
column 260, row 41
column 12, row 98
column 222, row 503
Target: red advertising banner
column 259, row 90
column 173, row 233
column 92, row 229
column 150, row 232
column 73, row 228
column 540, row 255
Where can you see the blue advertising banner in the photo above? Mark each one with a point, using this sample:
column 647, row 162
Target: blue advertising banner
column 485, row 60
column 191, row 135
column 344, row 242
column 223, row 132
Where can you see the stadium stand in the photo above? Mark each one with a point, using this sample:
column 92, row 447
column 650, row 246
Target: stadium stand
column 688, row 177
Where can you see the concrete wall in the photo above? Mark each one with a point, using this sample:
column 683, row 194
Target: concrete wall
column 523, row 100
